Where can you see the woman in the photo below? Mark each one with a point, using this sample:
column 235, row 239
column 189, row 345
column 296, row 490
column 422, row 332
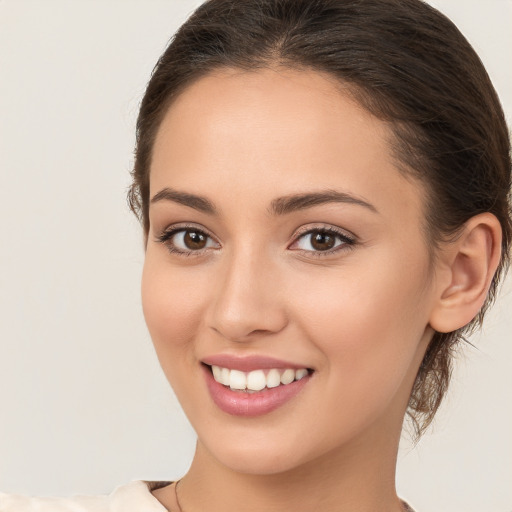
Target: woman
column 324, row 191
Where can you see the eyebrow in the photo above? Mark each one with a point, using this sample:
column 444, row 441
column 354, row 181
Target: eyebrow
column 279, row 206
column 193, row 201
column 294, row 202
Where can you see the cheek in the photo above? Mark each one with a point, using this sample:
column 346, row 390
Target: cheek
column 172, row 302
column 360, row 305
column 368, row 324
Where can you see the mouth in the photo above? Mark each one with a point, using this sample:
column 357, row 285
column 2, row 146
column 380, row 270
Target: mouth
column 257, row 380
column 256, row 392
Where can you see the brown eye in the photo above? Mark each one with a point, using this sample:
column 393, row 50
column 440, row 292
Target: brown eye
column 195, row 240
column 186, row 241
column 322, row 241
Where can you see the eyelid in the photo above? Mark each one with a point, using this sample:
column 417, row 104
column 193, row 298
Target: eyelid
column 166, row 234
column 349, row 240
column 325, row 227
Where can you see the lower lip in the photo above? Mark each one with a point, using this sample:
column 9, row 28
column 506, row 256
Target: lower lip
column 240, row 403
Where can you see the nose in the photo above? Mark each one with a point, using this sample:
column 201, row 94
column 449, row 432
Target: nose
column 247, row 299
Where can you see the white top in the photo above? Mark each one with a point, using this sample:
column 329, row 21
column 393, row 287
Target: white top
column 133, row 497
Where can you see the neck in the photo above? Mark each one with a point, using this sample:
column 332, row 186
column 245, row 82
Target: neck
column 359, row 477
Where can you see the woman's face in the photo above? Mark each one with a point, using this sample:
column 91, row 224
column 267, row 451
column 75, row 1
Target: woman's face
column 283, row 237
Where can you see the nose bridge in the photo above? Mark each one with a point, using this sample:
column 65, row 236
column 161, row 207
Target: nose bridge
column 246, row 297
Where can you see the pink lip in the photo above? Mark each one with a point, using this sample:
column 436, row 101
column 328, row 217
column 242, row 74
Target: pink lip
column 249, row 363
column 240, row 403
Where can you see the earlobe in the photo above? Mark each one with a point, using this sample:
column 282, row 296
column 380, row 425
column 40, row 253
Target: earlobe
column 472, row 261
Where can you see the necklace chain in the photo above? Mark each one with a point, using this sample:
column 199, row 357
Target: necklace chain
column 405, row 505
column 176, row 495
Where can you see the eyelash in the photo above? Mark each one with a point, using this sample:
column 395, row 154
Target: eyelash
column 348, row 241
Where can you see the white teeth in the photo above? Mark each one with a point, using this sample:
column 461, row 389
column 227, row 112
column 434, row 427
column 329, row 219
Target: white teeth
column 288, row 376
column 257, row 379
column 273, row 378
column 217, row 373
column 300, row 374
column 237, row 380
column 224, row 376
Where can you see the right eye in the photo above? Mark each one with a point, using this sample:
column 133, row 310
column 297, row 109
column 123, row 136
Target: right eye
column 186, row 241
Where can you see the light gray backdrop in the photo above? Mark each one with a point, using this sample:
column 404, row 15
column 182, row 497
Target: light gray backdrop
column 83, row 404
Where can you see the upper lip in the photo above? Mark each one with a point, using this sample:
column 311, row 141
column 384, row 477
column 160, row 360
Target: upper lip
column 249, row 363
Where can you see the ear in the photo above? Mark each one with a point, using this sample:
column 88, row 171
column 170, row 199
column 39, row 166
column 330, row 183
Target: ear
column 468, row 266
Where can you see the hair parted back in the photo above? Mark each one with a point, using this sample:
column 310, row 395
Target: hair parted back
column 404, row 62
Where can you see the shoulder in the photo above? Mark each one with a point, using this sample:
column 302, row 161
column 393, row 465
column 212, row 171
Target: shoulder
column 135, row 496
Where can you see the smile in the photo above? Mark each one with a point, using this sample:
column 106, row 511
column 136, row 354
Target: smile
column 257, row 380
column 254, row 392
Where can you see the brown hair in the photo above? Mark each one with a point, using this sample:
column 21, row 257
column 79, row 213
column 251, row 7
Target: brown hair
column 406, row 63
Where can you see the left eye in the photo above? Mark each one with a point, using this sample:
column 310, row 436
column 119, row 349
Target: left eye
column 186, row 240
column 322, row 240
column 191, row 240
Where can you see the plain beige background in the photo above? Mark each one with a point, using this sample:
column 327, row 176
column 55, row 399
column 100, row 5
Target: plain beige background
column 83, row 404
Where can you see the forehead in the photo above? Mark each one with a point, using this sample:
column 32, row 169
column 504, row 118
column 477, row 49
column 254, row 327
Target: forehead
column 251, row 136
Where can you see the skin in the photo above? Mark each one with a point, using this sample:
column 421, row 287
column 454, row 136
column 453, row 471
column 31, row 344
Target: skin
column 360, row 317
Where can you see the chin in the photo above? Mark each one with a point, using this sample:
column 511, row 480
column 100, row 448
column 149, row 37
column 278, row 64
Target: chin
column 252, row 451
column 257, row 462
